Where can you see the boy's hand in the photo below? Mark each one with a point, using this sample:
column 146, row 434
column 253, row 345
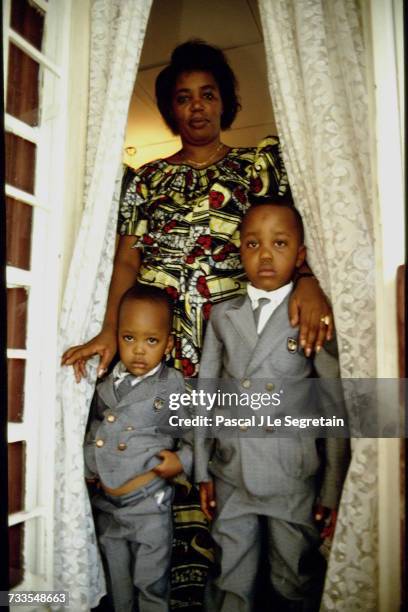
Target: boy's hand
column 170, row 466
column 207, row 499
column 326, row 520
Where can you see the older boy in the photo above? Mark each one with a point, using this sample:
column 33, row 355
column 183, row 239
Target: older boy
column 269, row 479
column 132, row 459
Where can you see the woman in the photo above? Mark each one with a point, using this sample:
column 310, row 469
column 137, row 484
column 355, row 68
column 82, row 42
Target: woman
column 179, row 216
column 178, row 227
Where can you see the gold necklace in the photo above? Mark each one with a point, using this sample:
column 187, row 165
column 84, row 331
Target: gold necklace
column 205, row 162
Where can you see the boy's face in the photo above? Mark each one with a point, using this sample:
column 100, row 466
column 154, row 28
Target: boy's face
column 271, row 249
column 143, row 335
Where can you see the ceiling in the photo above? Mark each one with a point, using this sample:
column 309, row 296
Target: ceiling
column 233, row 25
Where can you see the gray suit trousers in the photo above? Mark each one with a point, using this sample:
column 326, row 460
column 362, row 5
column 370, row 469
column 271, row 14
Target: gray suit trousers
column 296, row 571
column 135, row 537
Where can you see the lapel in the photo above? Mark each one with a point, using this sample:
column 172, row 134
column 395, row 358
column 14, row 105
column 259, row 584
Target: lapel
column 242, row 318
column 107, row 393
column 266, row 341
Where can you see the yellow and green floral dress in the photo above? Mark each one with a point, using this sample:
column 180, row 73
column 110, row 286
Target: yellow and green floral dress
column 186, row 222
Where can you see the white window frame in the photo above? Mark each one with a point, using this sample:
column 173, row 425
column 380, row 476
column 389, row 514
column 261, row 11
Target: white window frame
column 44, row 284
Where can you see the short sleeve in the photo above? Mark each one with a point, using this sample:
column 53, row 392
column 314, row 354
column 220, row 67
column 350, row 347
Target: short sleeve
column 268, row 173
column 132, row 219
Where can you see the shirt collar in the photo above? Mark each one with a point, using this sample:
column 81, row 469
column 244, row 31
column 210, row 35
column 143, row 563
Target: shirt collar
column 120, row 372
column 276, row 296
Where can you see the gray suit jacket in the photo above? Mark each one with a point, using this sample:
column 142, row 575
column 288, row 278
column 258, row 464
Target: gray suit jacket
column 270, row 464
column 124, row 437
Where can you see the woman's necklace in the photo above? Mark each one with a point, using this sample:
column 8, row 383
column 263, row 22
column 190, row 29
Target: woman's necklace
column 206, row 161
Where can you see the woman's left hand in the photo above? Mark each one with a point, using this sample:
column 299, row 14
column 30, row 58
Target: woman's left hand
column 310, row 309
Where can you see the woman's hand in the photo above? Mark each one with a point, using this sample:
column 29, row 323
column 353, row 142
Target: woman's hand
column 170, row 466
column 308, row 306
column 125, row 268
column 104, row 345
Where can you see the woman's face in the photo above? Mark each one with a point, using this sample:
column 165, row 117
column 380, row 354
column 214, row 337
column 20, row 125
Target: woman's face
column 197, row 107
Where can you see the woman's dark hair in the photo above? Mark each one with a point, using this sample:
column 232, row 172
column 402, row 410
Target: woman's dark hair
column 196, row 55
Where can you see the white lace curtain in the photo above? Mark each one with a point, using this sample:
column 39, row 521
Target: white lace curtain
column 117, row 34
column 316, row 70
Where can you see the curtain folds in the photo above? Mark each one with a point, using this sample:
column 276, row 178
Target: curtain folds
column 315, row 57
column 117, row 34
column 316, row 70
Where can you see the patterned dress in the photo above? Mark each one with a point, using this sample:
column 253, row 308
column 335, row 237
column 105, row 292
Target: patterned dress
column 186, row 222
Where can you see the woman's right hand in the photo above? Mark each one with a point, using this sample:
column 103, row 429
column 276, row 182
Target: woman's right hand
column 104, row 345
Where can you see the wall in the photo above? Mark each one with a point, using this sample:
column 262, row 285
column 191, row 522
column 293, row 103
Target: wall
column 384, row 39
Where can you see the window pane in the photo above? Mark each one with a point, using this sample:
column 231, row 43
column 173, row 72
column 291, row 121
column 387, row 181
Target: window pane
column 16, row 469
column 16, row 318
column 23, row 86
column 15, row 389
column 18, row 233
column 20, row 162
column 16, row 565
column 28, row 21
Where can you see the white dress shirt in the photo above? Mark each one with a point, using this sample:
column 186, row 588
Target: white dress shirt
column 120, row 372
column 275, row 298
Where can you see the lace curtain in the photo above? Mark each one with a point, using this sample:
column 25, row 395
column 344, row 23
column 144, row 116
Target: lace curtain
column 316, row 70
column 117, row 34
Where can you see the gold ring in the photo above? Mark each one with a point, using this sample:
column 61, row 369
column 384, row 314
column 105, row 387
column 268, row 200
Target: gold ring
column 325, row 319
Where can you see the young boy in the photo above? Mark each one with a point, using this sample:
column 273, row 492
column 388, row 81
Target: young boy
column 268, row 480
column 132, row 459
